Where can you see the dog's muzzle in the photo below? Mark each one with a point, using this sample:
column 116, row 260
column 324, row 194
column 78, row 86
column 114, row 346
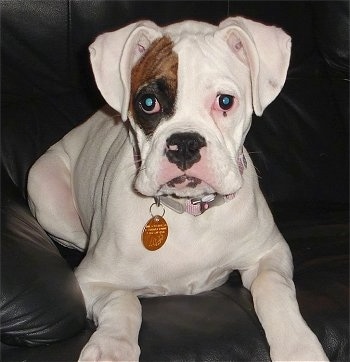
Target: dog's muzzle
column 182, row 149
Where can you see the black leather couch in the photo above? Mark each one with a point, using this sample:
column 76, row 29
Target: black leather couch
column 299, row 146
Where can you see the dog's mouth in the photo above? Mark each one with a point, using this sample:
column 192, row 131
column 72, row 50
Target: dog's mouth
column 184, row 181
column 185, row 186
column 204, row 177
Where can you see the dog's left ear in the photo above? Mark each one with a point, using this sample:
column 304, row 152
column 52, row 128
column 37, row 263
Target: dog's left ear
column 112, row 57
column 266, row 50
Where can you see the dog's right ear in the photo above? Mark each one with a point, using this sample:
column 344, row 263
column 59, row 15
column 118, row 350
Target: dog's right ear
column 112, row 57
column 265, row 50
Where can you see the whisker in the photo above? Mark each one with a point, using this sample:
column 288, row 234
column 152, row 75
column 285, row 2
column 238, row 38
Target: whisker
column 131, row 167
column 256, row 169
column 257, row 172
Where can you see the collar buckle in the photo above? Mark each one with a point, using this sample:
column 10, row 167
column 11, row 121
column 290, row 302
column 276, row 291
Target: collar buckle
column 201, row 204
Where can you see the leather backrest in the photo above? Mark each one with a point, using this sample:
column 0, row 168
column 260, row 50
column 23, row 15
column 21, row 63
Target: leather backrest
column 299, row 145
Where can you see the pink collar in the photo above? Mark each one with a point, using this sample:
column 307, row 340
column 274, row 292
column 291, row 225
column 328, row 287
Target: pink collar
column 195, row 206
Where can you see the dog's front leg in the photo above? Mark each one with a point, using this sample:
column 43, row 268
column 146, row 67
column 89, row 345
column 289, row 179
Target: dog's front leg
column 117, row 315
column 273, row 291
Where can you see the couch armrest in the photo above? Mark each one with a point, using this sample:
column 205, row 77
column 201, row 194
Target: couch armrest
column 41, row 301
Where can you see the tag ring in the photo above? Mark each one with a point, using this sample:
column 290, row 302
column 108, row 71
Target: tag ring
column 155, row 204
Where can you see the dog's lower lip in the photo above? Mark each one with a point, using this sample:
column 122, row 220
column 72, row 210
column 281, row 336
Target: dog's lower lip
column 184, row 180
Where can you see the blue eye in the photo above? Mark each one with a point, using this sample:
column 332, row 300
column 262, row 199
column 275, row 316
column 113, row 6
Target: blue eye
column 149, row 104
column 225, row 101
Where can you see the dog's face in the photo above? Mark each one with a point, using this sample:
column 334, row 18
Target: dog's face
column 190, row 114
column 189, row 91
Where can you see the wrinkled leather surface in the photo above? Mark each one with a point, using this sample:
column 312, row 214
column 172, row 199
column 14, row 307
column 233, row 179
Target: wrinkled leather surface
column 221, row 324
column 45, row 69
column 299, row 147
column 36, row 283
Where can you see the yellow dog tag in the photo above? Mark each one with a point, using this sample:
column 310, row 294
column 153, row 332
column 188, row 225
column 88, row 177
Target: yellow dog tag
column 155, row 233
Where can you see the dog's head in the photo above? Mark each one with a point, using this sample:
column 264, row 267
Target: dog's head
column 189, row 90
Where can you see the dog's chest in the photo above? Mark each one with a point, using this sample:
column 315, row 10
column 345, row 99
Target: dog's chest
column 190, row 261
column 198, row 255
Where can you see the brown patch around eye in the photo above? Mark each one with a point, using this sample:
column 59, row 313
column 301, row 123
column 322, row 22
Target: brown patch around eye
column 159, row 64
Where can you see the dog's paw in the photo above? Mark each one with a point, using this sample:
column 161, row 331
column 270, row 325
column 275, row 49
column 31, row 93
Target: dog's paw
column 304, row 350
column 109, row 350
column 302, row 355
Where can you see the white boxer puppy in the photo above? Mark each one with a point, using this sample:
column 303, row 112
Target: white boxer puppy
column 168, row 201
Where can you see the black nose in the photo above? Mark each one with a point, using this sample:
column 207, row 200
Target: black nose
column 183, row 149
